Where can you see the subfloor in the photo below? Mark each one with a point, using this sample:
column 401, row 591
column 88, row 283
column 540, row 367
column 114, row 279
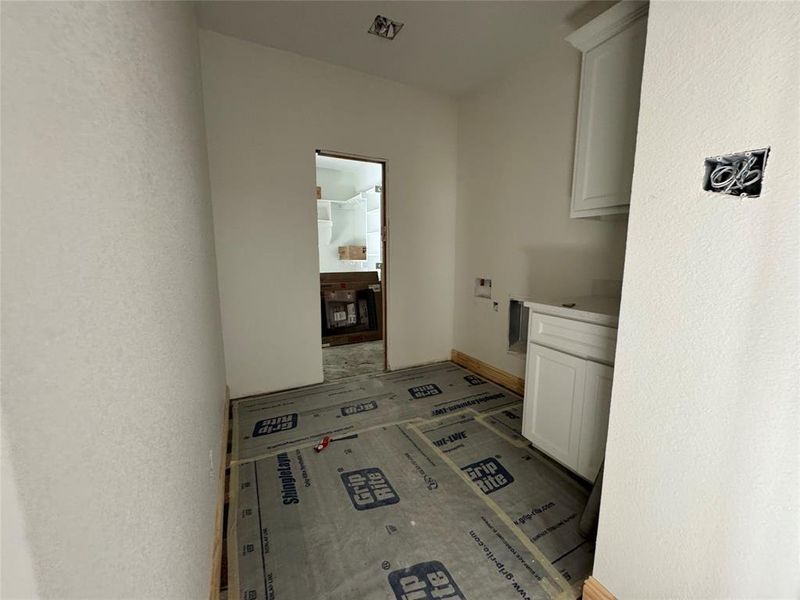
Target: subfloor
column 339, row 362
column 426, row 490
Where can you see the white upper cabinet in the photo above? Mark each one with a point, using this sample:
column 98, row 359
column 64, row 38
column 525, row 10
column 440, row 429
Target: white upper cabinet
column 611, row 76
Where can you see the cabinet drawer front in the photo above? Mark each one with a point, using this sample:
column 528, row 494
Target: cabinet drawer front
column 593, row 342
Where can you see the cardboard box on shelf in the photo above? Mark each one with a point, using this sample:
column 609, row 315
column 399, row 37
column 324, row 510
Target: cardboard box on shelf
column 352, row 253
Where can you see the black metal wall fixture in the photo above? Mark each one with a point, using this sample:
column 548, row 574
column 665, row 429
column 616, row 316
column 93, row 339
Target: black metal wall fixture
column 738, row 174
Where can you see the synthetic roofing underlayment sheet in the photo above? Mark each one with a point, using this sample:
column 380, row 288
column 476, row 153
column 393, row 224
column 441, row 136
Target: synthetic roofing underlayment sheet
column 443, row 499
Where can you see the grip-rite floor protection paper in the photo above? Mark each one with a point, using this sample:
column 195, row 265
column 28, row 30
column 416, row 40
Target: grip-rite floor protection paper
column 447, row 503
column 263, row 426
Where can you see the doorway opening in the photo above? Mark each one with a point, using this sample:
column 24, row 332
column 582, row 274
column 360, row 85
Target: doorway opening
column 351, row 227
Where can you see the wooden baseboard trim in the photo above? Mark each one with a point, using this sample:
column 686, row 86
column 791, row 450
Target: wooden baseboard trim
column 594, row 590
column 493, row 374
column 216, row 553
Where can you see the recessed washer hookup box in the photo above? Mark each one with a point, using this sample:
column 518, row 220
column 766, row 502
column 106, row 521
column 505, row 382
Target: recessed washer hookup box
column 738, row 174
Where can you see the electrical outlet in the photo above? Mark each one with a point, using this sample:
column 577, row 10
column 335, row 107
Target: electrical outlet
column 483, row 287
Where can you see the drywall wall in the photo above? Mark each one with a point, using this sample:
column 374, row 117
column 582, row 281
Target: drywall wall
column 267, row 111
column 16, row 563
column 516, row 141
column 112, row 367
column 700, row 494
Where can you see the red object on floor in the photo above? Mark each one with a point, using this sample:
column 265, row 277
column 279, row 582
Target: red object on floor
column 323, row 443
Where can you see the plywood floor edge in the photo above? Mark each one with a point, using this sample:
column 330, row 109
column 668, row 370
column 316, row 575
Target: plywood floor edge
column 493, row 374
column 216, row 552
column 594, row 590
column 231, row 536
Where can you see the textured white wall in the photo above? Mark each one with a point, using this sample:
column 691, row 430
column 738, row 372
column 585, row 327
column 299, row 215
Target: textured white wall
column 113, row 376
column 267, row 111
column 700, row 496
column 516, row 140
column 17, row 579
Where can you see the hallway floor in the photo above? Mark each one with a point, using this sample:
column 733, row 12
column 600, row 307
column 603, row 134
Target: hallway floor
column 339, row 362
column 427, row 484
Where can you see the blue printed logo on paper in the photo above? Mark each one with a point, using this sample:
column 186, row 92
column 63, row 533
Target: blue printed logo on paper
column 424, row 581
column 369, row 488
column 489, row 475
column 355, row 409
column 449, row 439
column 424, row 391
column 474, row 380
column 275, row 424
column 289, row 493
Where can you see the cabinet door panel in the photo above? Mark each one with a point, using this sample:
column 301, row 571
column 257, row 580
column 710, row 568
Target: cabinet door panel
column 554, row 388
column 594, row 419
column 609, row 113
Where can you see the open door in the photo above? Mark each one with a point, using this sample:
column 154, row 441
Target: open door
column 351, row 224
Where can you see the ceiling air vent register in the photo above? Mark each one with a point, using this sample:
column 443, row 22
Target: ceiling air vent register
column 385, row 28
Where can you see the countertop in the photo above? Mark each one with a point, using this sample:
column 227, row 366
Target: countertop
column 599, row 310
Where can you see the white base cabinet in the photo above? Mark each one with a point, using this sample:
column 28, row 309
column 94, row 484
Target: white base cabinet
column 594, row 419
column 567, row 404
